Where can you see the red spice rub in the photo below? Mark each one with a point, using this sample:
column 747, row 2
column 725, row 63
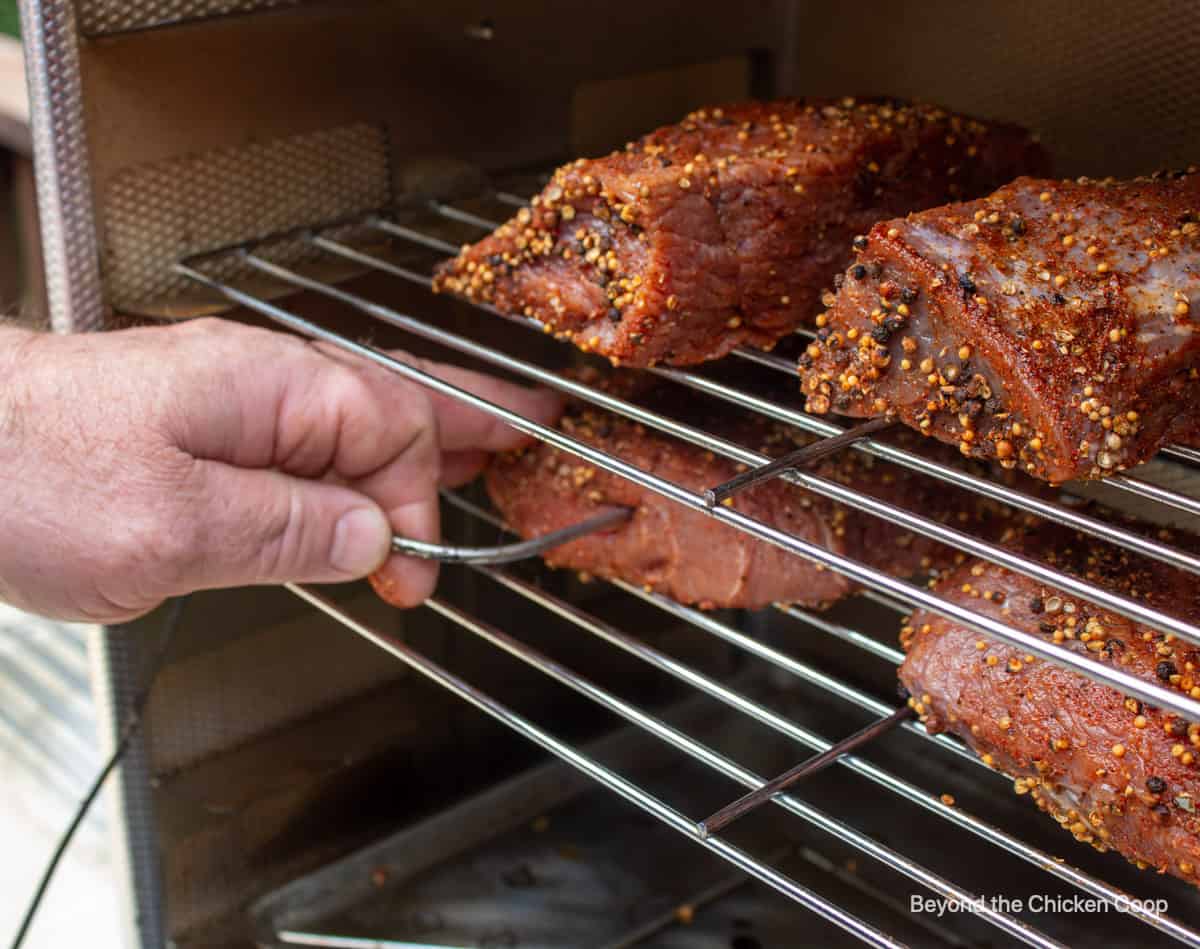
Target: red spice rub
column 722, row 230
column 1113, row 772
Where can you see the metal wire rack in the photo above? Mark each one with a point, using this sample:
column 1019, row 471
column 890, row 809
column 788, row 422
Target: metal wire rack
column 892, row 592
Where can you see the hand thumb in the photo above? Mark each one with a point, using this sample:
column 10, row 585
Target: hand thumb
column 269, row 527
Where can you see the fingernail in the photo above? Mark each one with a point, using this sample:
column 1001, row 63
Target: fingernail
column 361, row 541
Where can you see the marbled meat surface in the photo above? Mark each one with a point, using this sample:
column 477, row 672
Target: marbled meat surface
column 1050, row 326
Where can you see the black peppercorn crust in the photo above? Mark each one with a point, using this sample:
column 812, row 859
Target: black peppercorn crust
column 1050, row 326
column 722, row 230
column 1115, row 773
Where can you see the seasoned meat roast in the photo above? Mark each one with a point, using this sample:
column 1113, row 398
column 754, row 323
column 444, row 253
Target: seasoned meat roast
column 723, row 229
column 687, row 554
column 1050, row 325
column 1113, row 772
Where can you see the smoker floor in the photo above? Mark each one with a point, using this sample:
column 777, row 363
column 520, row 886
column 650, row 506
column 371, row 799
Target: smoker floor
column 592, row 872
column 549, row 860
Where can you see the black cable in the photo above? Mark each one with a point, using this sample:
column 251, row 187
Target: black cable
column 128, row 730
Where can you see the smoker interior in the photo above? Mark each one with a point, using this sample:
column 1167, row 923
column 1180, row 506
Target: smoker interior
column 278, row 743
column 831, row 674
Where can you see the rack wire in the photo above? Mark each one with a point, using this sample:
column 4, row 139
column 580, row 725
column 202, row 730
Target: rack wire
column 816, row 425
column 812, row 676
column 892, row 592
column 904, row 591
column 1131, row 484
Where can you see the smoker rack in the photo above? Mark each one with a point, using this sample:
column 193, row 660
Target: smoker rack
column 890, row 591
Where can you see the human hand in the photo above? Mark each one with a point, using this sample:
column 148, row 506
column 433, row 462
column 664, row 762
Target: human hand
column 145, row 463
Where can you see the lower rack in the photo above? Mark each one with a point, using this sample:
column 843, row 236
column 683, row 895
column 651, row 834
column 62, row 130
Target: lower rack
column 824, row 750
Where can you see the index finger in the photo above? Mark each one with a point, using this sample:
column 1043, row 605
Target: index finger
column 462, row 427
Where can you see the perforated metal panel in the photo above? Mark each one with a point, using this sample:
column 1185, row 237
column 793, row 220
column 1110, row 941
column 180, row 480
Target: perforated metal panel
column 97, row 17
column 1113, row 87
column 157, row 215
column 219, row 699
column 60, row 157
